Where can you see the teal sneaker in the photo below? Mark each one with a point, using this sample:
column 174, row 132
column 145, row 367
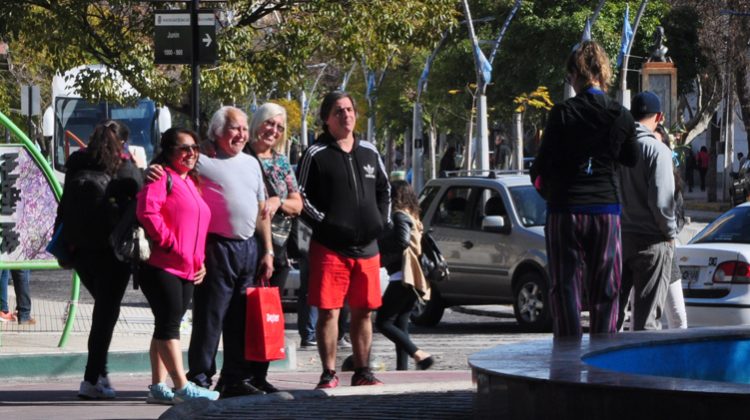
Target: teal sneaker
column 194, row 392
column 160, row 394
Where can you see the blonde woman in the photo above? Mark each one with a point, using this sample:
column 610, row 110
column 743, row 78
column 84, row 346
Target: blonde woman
column 267, row 140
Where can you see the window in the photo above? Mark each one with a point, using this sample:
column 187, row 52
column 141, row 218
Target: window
column 531, row 208
column 490, row 203
column 452, row 210
column 426, row 198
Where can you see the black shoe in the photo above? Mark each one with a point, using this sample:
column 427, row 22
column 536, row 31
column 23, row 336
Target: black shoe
column 239, row 389
column 425, row 364
column 306, row 344
column 264, row 386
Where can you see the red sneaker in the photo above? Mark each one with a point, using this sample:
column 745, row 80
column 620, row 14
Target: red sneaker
column 328, row 379
column 364, row 376
column 7, row 316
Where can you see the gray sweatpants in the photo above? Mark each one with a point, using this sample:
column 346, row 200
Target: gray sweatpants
column 646, row 267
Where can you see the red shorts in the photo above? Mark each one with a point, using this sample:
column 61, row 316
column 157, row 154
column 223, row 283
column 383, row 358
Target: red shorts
column 333, row 277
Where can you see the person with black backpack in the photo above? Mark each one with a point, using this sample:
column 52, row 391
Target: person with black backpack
column 100, row 181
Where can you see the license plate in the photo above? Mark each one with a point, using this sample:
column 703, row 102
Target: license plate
column 690, row 274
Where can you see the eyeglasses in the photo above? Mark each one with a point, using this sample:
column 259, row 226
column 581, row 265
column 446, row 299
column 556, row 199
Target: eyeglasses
column 184, row 148
column 272, row 124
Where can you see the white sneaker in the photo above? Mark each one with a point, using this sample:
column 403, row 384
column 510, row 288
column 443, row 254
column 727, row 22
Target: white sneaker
column 101, row 391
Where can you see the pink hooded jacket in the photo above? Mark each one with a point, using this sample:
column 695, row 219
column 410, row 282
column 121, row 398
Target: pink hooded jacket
column 177, row 224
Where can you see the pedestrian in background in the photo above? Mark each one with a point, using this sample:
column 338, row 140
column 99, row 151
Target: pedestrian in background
column 103, row 275
column 586, row 140
column 175, row 218
column 267, row 140
column 674, row 305
column 22, row 289
column 649, row 227
column 346, row 201
column 400, row 249
column 448, row 161
column 702, row 161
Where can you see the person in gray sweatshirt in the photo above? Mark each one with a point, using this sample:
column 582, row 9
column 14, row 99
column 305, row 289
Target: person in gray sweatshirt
column 649, row 226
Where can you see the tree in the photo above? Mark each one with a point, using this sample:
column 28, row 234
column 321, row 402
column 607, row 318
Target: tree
column 263, row 45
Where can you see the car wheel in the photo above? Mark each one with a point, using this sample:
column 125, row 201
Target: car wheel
column 429, row 313
column 531, row 303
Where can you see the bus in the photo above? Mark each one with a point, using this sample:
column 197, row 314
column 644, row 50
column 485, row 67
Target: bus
column 69, row 121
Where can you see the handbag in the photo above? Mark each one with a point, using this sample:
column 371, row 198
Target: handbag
column 128, row 239
column 281, row 225
column 58, row 248
column 434, row 266
column 264, row 325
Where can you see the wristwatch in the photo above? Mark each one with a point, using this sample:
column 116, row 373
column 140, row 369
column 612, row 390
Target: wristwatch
column 270, row 252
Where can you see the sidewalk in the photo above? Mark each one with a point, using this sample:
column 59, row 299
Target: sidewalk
column 39, row 380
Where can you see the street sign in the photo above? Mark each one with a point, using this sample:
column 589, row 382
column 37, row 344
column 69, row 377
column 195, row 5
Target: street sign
column 207, row 51
column 173, row 37
column 30, row 93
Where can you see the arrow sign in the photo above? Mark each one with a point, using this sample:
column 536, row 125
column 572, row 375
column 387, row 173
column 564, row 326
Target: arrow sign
column 207, row 52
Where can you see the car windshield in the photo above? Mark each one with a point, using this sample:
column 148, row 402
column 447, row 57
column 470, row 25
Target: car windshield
column 531, row 208
column 732, row 226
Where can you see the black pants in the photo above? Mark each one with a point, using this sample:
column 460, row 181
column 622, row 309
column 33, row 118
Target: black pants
column 106, row 279
column 393, row 320
column 703, row 178
column 168, row 296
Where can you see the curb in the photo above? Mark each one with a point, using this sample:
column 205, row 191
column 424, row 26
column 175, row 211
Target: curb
column 73, row 364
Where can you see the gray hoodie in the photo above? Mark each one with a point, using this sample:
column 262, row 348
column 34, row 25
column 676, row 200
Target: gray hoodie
column 647, row 190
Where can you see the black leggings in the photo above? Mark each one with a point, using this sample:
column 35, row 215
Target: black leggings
column 393, row 320
column 106, row 279
column 168, row 296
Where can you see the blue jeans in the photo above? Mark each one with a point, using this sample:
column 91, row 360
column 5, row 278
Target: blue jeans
column 23, row 294
column 307, row 316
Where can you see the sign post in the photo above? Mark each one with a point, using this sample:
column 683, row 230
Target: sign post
column 186, row 37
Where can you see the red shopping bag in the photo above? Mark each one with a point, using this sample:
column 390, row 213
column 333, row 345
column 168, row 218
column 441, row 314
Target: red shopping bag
column 264, row 325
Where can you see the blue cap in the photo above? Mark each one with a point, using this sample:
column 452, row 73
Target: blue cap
column 645, row 103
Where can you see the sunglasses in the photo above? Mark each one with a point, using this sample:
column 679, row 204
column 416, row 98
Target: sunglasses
column 187, row 148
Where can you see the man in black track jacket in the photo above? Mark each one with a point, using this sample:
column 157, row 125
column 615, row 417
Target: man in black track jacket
column 347, row 202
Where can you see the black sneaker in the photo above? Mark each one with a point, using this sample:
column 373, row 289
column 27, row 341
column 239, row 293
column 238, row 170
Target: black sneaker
column 306, row 344
column 264, row 385
column 328, row 379
column 364, row 376
column 239, row 389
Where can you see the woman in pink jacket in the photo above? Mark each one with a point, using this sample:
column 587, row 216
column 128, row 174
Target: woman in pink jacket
column 175, row 218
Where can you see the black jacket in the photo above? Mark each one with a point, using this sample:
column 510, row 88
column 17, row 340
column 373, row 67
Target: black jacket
column 586, row 139
column 394, row 241
column 120, row 191
column 346, row 196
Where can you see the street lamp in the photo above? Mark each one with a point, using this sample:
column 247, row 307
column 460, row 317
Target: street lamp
column 305, row 104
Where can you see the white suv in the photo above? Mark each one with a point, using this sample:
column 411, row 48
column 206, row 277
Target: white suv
column 491, row 232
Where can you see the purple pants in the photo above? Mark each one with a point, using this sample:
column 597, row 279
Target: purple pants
column 585, row 262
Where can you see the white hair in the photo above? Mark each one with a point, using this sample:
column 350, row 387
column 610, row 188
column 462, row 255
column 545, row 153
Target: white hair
column 219, row 120
column 264, row 113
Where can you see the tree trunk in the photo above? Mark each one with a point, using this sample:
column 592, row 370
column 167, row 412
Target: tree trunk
column 390, row 151
column 743, row 90
column 407, row 149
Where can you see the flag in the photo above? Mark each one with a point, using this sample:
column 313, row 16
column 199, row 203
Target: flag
column 627, row 36
column 485, row 68
column 586, row 36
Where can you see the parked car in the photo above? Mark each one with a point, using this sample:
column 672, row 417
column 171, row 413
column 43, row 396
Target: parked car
column 716, row 271
column 740, row 185
column 491, row 232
